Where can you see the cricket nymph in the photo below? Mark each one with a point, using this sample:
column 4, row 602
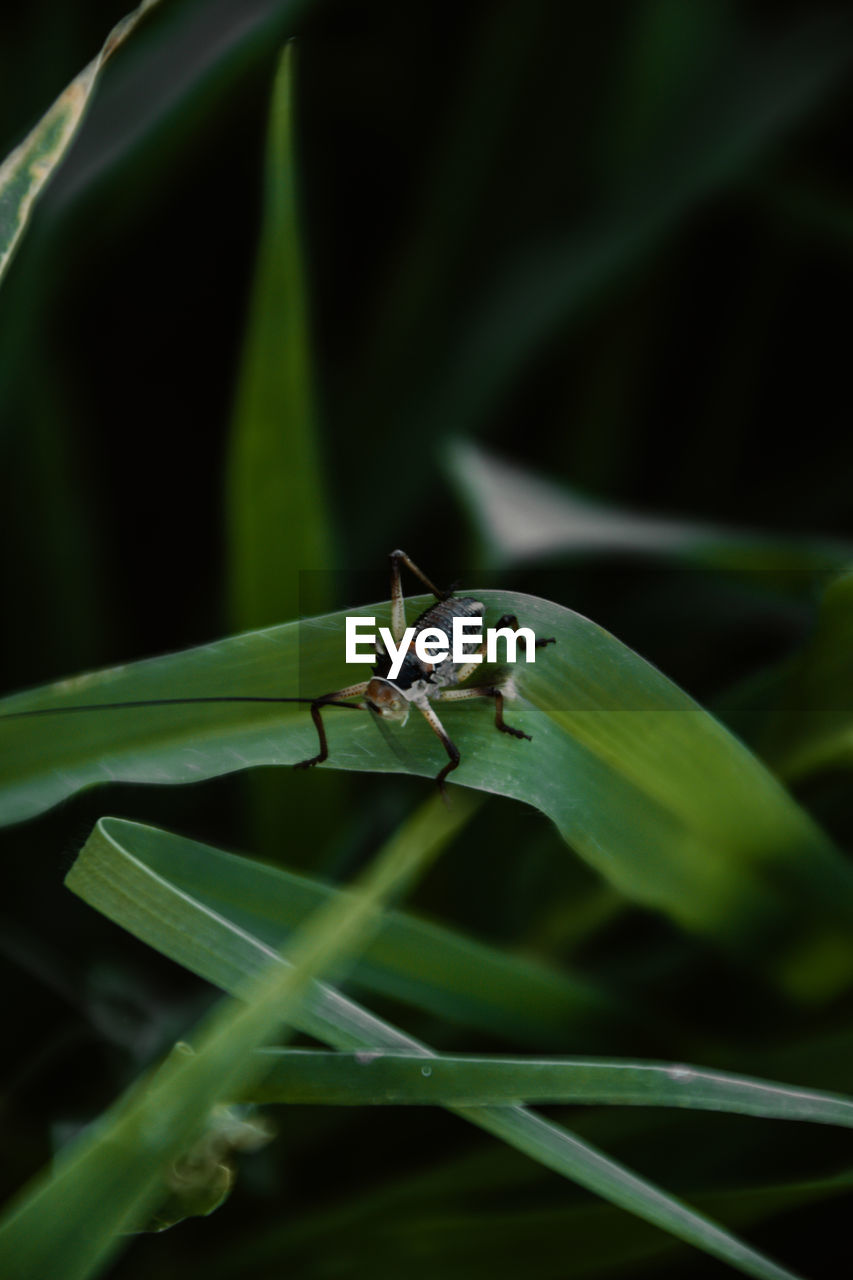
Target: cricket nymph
column 419, row 681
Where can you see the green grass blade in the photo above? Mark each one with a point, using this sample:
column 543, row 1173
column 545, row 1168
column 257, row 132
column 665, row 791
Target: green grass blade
column 117, row 881
column 308, row 1076
column 278, row 509
column 26, row 170
column 118, row 1164
column 521, row 516
column 642, row 782
column 436, row 969
column 150, row 131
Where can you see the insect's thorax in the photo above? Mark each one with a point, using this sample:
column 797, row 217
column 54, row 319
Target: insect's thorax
column 417, row 679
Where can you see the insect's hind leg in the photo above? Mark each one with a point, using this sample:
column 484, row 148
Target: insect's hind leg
column 398, row 608
column 485, row 691
column 330, row 700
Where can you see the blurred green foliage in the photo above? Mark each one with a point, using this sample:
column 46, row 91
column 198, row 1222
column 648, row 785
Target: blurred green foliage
column 611, row 243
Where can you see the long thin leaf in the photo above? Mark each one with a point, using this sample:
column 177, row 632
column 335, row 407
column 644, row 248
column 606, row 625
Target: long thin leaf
column 309, row 1076
column 278, row 510
column 521, row 516
column 642, row 782
column 112, row 876
column 433, row 968
column 105, row 1183
column 25, row 172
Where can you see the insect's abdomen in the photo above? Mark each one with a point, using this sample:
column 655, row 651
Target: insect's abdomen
column 441, row 615
column 419, row 677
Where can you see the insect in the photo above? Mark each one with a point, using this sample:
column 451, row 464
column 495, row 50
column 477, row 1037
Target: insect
column 417, row 682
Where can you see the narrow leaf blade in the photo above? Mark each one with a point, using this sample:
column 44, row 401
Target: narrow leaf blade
column 26, row 171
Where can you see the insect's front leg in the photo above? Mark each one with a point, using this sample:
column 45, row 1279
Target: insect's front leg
column 330, row 700
column 485, row 691
column 510, row 620
column 468, row 669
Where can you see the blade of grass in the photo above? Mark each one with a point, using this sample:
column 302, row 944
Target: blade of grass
column 278, row 511
column 201, row 50
column 105, row 1183
column 433, row 968
column 520, row 516
column 309, row 1076
column 26, row 170
column 638, row 779
column 278, row 508
column 111, row 876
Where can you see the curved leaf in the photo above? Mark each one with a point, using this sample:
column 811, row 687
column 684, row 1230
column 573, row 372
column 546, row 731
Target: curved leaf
column 642, row 782
column 522, row 516
column 424, row 964
column 112, row 874
column 26, row 170
column 120, row 1164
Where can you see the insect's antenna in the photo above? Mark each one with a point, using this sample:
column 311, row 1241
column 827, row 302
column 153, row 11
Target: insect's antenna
column 327, row 701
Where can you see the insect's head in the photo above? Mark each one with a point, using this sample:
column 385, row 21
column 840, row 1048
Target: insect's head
column 386, row 700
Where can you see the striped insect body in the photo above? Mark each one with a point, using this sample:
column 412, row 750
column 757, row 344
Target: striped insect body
column 418, row 682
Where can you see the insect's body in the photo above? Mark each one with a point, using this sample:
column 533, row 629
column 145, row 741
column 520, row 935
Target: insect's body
column 418, row 683
column 441, row 616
